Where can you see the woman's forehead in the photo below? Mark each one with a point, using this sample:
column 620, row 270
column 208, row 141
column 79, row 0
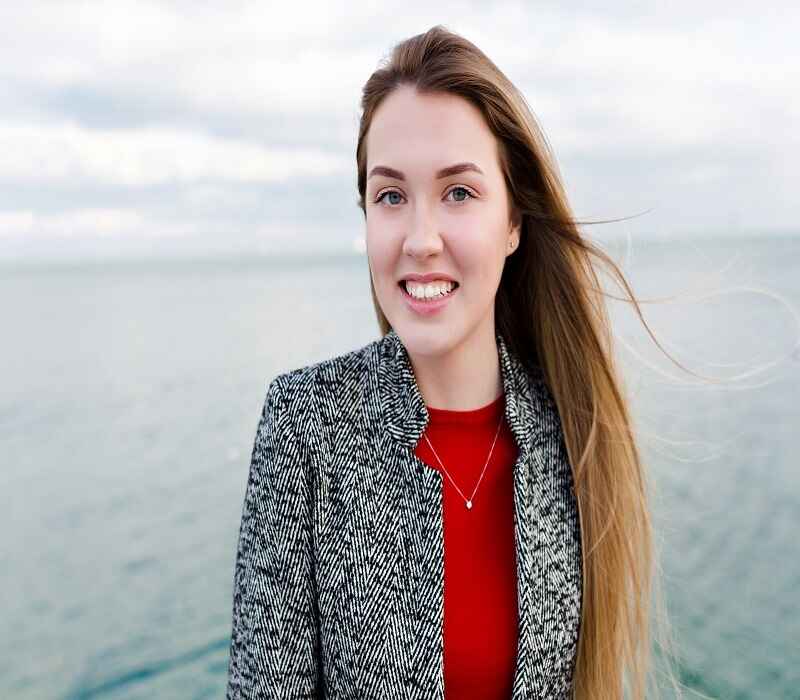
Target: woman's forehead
column 420, row 135
column 437, row 118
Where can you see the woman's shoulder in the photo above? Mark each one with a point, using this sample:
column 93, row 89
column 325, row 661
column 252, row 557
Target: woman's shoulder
column 326, row 381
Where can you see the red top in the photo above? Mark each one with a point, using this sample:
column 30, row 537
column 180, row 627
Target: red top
column 480, row 579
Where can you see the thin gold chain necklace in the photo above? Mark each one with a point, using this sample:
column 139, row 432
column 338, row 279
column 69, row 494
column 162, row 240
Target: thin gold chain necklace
column 468, row 501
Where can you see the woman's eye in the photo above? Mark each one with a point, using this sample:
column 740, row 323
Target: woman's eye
column 458, row 188
column 388, row 192
column 462, row 189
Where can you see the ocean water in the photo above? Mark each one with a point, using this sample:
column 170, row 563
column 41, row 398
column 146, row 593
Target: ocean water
column 130, row 397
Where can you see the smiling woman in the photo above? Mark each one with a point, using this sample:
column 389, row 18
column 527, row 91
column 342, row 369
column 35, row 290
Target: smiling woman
column 425, row 231
column 457, row 509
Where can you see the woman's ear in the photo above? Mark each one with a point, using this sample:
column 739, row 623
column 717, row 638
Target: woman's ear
column 515, row 228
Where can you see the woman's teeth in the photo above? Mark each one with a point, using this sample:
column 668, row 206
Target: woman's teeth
column 429, row 290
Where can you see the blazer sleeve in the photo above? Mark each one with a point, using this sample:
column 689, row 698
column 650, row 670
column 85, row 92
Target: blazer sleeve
column 274, row 647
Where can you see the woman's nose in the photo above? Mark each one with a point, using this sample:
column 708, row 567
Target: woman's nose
column 423, row 236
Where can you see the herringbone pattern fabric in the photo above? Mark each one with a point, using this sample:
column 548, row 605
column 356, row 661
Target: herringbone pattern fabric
column 338, row 582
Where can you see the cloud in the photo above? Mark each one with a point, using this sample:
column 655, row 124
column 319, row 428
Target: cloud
column 238, row 121
column 149, row 156
column 76, row 223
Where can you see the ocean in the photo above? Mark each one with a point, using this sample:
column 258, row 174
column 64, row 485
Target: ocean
column 131, row 392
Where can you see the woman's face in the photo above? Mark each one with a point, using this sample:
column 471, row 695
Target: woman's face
column 420, row 220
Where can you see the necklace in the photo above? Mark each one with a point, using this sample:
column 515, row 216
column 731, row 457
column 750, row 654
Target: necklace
column 468, row 500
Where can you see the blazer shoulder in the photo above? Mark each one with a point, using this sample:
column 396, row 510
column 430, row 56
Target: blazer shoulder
column 296, row 391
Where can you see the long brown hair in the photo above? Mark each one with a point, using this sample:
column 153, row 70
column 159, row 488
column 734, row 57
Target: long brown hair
column 551, row 309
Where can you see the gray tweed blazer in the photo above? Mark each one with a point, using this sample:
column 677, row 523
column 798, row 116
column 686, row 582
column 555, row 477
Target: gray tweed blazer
column 338, row 581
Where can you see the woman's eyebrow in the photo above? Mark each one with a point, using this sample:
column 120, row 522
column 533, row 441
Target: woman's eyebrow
column 444, row 172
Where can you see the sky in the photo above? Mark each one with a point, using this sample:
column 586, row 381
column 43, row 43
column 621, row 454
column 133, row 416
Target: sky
column 185, row 128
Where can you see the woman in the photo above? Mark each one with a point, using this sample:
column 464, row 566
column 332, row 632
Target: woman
column 458, row 508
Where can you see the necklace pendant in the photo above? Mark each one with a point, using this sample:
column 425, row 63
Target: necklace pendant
column 469, row 504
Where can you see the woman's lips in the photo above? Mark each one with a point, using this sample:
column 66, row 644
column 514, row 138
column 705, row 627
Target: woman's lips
column 426, row 307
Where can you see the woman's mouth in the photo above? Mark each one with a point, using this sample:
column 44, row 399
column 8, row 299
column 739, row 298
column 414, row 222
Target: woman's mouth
column 427, row 299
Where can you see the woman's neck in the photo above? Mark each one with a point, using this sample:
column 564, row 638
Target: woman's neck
column 463, row 379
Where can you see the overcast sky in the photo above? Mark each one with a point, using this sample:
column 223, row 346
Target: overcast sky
column 186, row 127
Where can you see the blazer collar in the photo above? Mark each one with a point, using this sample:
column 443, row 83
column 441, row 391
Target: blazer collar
column 406, row 415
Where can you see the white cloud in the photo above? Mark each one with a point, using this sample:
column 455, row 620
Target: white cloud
column 16, row 223
column 149, row 156
column 80, row 222
column 150, row 118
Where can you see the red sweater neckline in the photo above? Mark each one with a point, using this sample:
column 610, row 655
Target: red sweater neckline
column 484, row 414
